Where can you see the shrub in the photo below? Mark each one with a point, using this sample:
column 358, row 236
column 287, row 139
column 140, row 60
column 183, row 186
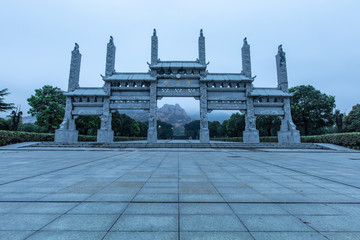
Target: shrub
column 11, row 137
column 351, row 140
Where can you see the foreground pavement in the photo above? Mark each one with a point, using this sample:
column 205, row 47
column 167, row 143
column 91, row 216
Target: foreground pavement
column 82, row 193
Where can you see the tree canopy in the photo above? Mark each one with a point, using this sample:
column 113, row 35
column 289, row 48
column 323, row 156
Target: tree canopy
column 48, row 106
column 214, row 129
column 352, row 120
column 123, row 125
column 5, row 106
column 235, row 125
column 311, row 110
column 192, row 129
column 268, row 125
column 222, row 130
column 165, row 130
column 87, row 125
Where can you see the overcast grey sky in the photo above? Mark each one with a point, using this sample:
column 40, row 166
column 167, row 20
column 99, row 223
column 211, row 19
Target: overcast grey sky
column 320, row 37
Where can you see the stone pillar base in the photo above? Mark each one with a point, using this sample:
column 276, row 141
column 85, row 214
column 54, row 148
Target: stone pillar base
column 66, row 136
column 105, row 136
column 251, row 136
column 152, row 135
column 204, row 135
column 289, row 136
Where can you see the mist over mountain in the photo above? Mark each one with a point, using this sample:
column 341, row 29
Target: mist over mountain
column 213, row 116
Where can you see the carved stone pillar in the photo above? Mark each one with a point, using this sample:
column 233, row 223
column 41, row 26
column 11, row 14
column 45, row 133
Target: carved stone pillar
column 251, row 134
column 154, row 48
column 74, row 74
column 105, row 134
column 281, row 70
column 246, row 59
column 202, row 57
column 152, row 130
column 288, row 132
column 110, row 58
column 67, row 132
column 204, row 130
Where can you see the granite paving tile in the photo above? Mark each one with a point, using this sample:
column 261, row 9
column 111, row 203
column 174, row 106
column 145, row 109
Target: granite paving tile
column 82, row 222
column 206, row 223
column 146, row 223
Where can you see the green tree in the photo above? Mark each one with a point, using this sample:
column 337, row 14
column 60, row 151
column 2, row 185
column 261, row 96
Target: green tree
column 165, row 130
column 30, row 127
column 27, row 127
column 223, row 130
column 192, row 129
column 48, row 106
column 88, row 125
column 5, row 106
column 235, row 125
column 268, row 125
column 214, row 128
column 123, row 125
column 143, row 129
column 5, row 124
column 312, row 111
column 352, row 120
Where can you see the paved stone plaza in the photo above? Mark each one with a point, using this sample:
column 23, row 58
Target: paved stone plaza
column 89, row 193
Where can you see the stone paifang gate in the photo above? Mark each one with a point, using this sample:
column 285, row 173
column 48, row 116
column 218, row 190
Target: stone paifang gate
column 140, row 91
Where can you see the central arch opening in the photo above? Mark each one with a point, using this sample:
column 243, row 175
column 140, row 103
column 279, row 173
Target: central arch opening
column 225, row 124
column 173, row 114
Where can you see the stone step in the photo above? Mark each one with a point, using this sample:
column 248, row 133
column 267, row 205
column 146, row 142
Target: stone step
column 134, row 144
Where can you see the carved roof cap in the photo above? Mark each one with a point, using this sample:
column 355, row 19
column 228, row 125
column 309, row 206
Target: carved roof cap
column 76, row 48
column 280, row 49
column 245, row 41
column 154, row 33
column 201, row 33
column 111, row 39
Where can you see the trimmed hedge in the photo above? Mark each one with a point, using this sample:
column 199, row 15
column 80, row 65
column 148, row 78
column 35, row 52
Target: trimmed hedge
column 240, row 139
column 11, row 137
column 351, row 140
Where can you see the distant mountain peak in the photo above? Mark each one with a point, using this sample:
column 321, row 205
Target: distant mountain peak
column 173, row 114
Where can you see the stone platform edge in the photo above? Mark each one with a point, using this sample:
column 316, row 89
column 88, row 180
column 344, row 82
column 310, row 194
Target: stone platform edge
column 226, row 145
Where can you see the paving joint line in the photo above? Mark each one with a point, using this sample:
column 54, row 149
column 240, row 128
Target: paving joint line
column 78, row 203
column 298, row 171
column 84, row 201
column 128, row 203
column 60, row 169
column 224, row 200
